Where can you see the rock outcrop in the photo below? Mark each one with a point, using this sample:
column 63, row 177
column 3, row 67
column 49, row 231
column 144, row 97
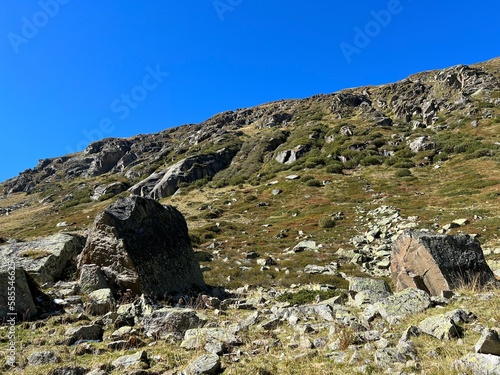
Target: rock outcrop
column 143, row 246
column 45, row 259
column 166, row 183
column 437, row 263
column 291, row 156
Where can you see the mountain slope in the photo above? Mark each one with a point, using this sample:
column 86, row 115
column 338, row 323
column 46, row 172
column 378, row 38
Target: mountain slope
column 427, row 145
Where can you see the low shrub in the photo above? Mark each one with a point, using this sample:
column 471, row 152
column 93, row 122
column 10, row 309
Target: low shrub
column 402, row 173
column 326, row 222
column 314, row 183
column 304, row 296
column 336, row 168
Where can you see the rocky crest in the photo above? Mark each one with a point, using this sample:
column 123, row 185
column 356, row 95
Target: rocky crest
column 333, row 227
column 420, row 100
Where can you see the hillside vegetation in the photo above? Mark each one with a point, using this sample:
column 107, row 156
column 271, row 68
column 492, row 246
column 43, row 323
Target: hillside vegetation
column 424, row 151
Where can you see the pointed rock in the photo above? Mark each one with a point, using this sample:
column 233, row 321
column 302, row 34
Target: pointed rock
column 143, row 246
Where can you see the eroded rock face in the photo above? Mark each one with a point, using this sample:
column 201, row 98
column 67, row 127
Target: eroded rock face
column 143, row 246
column 437, row 263
column 21, row 299
column 164, row 184
column 45, row 259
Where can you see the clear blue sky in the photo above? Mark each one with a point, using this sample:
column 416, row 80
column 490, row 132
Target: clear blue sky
column 75, row 70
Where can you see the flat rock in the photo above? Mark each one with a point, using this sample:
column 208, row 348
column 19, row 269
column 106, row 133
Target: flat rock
column 441, row 327
column 42, row 358
column 92, row 332
column 479, row 364
column 206, row 364
column 131, row 360
column 408, row 301
column 45, row 259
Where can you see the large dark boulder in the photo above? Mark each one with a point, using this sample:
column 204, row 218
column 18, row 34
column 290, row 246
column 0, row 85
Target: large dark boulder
column 437, row 263
column 143, row 246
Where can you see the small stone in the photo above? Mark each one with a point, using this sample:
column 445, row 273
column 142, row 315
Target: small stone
column 42, row 358
column 84, row 333
column 206, row 364
column 118, row 345
column 441, row 327
column 101, row 302
column 252, row 255
column 461, row 222
column 132, row 360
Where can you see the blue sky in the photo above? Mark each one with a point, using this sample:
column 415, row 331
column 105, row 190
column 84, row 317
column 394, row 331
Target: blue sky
column 73, row 71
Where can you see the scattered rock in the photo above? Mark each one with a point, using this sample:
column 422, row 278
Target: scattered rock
column 359, row 284
column 101, row 301
column 193, row 168
column 421, row 144
column 108, row 191
column 175, row 322
column 92, row 332
column 461, row 222
column 91, row 278
column 441, row 327
column 489, row 343
column 199, row 337
column 291, row 156
column 479, row 364
column 329, row 269
column 407, row 302
column 42, row 358
column 68, row 370
column 126, row 361
column 305, row 245
column 206, row 364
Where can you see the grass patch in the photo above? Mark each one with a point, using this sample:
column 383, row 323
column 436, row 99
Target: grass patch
column 34, row 253
column 305, row 296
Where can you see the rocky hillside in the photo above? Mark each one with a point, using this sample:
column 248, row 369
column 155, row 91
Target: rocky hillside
column 288, row 204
